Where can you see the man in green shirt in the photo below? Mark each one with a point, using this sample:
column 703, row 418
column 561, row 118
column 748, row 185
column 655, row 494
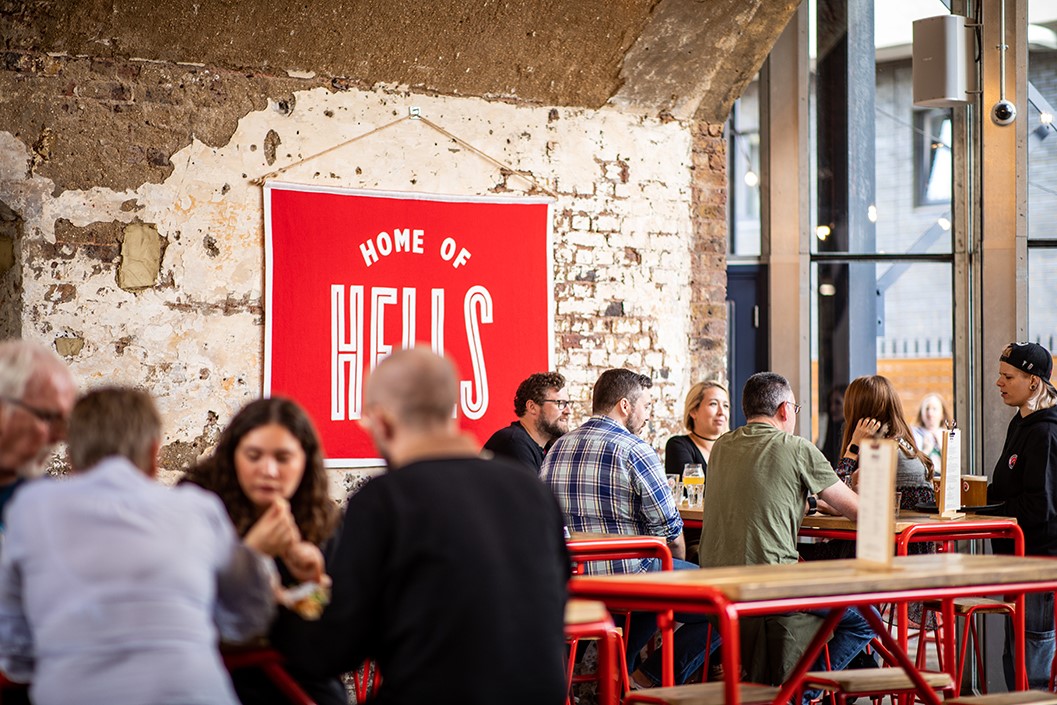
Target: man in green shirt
column 762, row 479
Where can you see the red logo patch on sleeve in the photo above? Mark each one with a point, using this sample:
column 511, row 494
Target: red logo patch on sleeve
column 1012, row 461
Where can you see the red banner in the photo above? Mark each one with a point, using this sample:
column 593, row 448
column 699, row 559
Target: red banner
column 352, row 276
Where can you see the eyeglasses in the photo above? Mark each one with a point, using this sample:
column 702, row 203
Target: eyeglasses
column 52, row 418
column 562, row 403
column 796, row 407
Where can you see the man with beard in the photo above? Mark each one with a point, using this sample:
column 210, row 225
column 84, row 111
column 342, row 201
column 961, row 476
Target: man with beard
column 37, row 393
column 608, row 480
column 541, row 405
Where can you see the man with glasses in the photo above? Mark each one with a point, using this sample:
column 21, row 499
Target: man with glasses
column 37, row 393
column 762, row 480
column 542, row 407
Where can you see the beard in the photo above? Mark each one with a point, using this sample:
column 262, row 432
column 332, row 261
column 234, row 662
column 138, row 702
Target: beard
column 550, row 429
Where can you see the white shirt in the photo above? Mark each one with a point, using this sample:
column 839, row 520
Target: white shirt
column 113, row 589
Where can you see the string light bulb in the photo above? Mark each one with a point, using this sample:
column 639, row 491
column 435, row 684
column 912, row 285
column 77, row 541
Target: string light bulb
column 1045, row 118
column 822, row 232
column 944, row 223
column 871, row 213
column 751, row 179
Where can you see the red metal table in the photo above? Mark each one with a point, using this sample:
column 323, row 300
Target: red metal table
column 733, row 593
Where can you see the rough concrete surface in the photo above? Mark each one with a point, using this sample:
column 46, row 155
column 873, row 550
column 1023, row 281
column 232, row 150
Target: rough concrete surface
column 656, row 56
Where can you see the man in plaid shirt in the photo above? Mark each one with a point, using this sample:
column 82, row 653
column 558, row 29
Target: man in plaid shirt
column 607, row 479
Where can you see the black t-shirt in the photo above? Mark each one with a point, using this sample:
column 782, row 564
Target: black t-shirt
column 679, row 451
column 515, row 442
column 448, row 568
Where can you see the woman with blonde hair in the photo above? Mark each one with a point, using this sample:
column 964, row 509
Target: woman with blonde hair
column 933, row 417
column 706, row 414
column 1025, row 478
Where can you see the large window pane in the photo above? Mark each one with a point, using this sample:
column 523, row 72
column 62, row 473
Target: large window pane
column 1042, row 297
column 914, row 333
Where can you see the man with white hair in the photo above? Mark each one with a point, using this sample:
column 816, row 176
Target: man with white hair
column 37, row 393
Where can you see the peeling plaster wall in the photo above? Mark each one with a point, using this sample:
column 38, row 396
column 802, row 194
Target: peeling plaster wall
column 639, row 226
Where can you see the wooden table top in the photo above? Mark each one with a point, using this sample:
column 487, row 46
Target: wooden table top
column 905, row 520
column 842, row 577
column 593, row 536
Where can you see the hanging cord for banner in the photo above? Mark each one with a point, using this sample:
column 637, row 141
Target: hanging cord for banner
column 503, row 167
column 259, row 181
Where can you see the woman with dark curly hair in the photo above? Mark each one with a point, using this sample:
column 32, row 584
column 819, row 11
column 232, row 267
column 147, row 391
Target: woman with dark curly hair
column 270, row 455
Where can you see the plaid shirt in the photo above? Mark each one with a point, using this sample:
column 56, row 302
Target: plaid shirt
column 609, row 480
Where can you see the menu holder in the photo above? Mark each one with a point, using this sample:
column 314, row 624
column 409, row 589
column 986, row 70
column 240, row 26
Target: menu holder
column 875, row 526
column 949, row 501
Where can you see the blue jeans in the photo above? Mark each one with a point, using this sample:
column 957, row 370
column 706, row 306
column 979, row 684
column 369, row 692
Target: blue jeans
column 850, row 637
column 1038, row 641
column 689, row 642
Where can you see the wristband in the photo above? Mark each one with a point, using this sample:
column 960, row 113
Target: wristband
column 812, row 505
column 853, row 448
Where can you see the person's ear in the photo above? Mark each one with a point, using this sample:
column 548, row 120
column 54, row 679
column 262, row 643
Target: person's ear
column 152, row 459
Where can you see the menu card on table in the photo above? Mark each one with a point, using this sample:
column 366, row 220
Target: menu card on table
column 950, row 498
column 874, row 544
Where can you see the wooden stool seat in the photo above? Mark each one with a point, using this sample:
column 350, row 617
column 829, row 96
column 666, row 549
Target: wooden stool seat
column 982, row 605
column 1027, row 697
column 871, row 680
column 584, row 611
column 701, row 694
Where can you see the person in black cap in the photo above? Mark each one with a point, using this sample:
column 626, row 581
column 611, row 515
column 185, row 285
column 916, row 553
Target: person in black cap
column 1025, row 479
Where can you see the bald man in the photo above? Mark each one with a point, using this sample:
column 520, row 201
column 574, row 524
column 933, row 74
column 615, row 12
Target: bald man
column 450, row 571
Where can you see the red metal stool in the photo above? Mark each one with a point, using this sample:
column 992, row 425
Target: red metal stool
column 965, row 607
column 587, row 619
column 584, row 548
column 270, row 662
column 365, row 681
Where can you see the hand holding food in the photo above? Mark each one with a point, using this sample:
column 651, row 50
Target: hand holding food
column 305, row 562
column 275, row 531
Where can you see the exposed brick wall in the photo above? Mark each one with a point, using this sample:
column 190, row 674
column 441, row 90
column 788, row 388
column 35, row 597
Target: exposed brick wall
column 113, row 148
column 708, row 312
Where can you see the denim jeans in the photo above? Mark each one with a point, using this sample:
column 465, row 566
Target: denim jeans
column 1038, row 641
column 689, row 642
column 850, row 637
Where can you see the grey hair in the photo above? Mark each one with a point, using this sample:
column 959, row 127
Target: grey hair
column 19, row 361
column 764, row 392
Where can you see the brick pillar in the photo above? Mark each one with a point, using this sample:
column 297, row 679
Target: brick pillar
column 707, row 351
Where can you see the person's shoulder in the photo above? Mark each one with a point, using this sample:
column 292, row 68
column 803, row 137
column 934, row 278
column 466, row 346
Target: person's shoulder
column 678, row 441
column 32, row 492
column 504, row 436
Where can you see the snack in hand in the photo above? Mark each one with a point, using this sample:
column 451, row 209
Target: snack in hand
column 307, row 600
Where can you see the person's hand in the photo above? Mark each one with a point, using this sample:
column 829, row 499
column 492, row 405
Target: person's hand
column 855, row 481
column 274, row 532
column 305, row 562
column 866, row 428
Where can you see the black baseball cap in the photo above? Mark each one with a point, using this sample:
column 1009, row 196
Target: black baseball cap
column 1031, row 358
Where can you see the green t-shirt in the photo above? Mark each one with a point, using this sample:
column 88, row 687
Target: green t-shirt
column 758, row 480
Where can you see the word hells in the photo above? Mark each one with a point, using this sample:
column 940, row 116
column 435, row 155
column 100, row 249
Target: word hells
column 347, row 344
